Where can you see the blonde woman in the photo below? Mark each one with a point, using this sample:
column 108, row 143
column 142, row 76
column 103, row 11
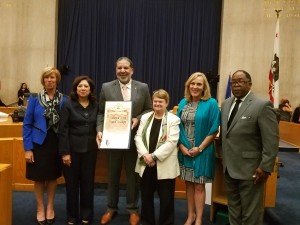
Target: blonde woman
column 200, row 120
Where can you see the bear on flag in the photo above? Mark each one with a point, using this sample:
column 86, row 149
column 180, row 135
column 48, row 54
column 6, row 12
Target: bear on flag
column 274, row 70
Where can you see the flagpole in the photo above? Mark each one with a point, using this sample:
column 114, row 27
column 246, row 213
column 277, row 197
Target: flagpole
column 277, row 12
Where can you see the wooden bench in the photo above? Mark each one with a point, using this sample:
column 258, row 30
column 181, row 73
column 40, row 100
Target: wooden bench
column 289, row 132
column 7, row 110
column 5, row 194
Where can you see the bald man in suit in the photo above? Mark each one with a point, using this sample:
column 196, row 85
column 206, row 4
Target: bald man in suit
column 249, row 148
column 123, row 88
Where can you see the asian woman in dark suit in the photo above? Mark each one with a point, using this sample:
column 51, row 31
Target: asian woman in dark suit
column 77, row 145
column 40, row 138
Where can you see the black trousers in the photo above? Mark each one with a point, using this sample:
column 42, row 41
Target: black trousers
column 165, row 189
column 79, row 179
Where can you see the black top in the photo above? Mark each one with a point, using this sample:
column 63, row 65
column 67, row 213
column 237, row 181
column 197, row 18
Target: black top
column 77, row 127
column 154, row 134
column 21, row 93
column 296, row 115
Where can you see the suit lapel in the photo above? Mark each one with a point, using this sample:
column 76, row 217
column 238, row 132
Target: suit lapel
column 227, row 110
column 133, row 91
column 241, row 110
column 117, row 91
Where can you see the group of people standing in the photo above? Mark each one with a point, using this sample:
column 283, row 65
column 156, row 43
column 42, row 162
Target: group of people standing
column 63, row 134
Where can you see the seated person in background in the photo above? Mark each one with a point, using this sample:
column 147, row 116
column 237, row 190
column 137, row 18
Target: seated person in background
column 285, row 110
column 23, row 89
column 296, row 115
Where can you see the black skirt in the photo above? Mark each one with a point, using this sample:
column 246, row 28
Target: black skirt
column 47, row 162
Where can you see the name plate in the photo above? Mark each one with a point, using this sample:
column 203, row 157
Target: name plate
column 117, row 125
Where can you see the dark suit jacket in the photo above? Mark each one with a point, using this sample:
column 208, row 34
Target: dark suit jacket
column 77, row 128
column 140, row 97
column 252, row 139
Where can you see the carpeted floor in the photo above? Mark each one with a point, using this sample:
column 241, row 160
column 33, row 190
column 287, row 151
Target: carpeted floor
column 285, row 212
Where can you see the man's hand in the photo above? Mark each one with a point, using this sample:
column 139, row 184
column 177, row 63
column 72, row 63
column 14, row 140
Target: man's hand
column 99, row 138
column 135, row 122
column 260, row 176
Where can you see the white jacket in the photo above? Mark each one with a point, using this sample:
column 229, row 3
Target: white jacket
column 167, row 160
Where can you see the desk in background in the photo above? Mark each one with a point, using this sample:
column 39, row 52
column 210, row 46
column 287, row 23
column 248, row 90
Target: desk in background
column 10, row 129
column 287, row 147
column 5, row 194
column 290, row 132
column 8, row 110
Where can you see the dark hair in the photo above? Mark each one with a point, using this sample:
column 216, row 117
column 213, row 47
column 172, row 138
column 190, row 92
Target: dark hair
column 77, row 80
column 126, row 59
column 22, row 86
column 283, row 102
column 247, row 75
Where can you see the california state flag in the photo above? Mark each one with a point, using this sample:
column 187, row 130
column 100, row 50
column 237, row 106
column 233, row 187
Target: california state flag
column 274, row 71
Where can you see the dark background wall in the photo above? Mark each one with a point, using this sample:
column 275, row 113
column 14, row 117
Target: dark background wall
column 167, row 41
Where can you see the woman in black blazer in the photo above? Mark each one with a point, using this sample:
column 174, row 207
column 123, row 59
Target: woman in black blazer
column 77, row 145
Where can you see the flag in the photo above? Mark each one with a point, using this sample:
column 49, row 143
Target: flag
column 228, row 89
column 274, row 70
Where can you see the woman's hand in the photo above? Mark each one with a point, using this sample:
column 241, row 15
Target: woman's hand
column 184, row 150
column 66, row 160
column 29, row 156
column 148, row 159
column 99, row 138
column 194, row 152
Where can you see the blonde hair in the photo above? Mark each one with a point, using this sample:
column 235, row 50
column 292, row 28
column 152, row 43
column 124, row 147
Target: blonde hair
column 206, row 89
column 48, row 71
column 162, row 94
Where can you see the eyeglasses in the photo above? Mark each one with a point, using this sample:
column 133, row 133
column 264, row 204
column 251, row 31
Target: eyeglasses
column 239, row 82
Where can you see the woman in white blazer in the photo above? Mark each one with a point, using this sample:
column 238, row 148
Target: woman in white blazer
column 157, row 162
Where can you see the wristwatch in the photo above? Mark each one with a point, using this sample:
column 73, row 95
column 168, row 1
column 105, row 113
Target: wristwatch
column 200, row 150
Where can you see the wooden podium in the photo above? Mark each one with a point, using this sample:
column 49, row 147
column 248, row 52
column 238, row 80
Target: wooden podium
column 5, row 194
column 219, row 196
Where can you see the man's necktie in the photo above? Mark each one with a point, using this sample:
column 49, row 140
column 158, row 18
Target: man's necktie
column 125, row 93
column 233, row 112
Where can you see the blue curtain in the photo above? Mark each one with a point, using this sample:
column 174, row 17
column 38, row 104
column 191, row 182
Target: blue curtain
column 167, row 40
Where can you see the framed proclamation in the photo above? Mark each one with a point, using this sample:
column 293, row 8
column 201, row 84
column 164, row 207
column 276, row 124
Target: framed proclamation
column 117, row 125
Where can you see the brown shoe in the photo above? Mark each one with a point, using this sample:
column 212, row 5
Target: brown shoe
column 134, row 218
column 107, row 217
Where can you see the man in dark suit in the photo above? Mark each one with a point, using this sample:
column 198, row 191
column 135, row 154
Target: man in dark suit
column 123, row 88
column 250, row 146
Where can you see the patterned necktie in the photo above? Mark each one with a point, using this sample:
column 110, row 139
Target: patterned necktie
column 233, row 112
column 125, row 93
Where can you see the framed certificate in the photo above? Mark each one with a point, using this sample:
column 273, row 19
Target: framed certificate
column 117, row 125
